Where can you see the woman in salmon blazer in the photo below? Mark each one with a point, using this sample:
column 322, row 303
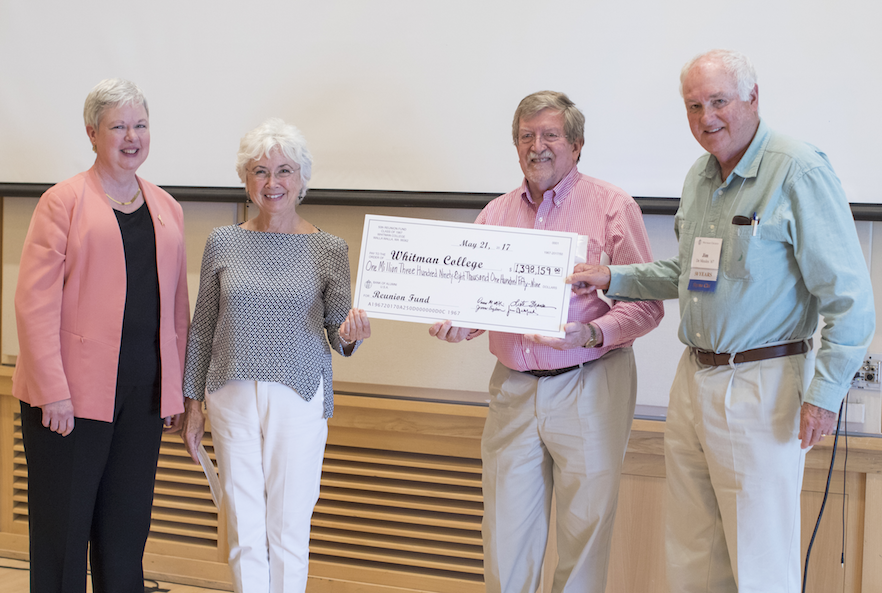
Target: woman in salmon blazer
column 102, row 313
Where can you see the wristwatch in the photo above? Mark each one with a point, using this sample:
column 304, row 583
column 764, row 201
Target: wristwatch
column 592, row 341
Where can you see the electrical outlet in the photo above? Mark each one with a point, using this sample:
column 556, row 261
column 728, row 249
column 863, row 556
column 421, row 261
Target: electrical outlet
column 869, row 376
column 865, row 397
column 864, row 411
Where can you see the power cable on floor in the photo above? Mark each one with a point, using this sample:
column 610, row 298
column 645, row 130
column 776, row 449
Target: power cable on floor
column 808, row 551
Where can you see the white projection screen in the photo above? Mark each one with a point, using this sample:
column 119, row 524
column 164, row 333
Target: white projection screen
column 418, row 95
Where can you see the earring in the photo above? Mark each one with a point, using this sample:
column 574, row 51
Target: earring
column 95, row 149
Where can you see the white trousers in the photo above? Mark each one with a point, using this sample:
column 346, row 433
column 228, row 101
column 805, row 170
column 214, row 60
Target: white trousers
column 734, row 475
column 567, row 435
column 269, row 444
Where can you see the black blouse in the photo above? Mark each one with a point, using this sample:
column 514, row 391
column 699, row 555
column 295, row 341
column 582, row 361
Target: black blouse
column 139, row 346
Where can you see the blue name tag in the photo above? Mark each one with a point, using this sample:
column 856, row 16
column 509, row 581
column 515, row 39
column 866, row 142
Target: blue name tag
column 703, row 285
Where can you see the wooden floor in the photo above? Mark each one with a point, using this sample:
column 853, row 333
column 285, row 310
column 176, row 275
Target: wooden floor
column 14, row 575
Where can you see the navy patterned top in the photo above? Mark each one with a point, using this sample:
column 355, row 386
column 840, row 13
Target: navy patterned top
column 266, row 302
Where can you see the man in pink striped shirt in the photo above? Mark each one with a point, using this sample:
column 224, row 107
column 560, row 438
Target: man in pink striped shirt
column 560, row 408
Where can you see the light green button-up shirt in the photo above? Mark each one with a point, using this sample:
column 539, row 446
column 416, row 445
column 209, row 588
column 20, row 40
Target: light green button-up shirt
column 804, row 260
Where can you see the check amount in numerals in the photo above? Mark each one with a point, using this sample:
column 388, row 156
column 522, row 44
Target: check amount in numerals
column 537, row 270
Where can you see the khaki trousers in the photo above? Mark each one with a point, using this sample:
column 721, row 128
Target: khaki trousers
column 567, row 435
column 734, row 475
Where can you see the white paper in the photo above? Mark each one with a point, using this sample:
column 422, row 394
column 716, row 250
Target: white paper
column 706, row 259
column 217, row 494
column 582, row 249
column 604, row 261
column 479, row 276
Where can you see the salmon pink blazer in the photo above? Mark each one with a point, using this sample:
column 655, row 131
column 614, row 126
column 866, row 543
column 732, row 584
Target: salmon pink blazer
column 71, row 294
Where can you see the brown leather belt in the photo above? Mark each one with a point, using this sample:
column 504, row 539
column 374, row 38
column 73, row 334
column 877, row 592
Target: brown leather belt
column 789, row 349
column 551, row 372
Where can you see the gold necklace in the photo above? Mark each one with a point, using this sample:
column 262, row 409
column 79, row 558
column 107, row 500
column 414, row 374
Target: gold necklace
column 132, row 201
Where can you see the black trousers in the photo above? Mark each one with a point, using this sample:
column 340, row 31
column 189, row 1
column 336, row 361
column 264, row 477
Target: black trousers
column 92, row 490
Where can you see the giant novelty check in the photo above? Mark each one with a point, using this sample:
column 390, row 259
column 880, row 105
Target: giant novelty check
column 484, row 277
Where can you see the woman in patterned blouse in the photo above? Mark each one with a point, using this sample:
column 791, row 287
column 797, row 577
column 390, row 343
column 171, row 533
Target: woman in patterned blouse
column 274, row 293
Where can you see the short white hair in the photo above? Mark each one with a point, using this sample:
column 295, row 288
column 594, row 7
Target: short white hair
column 275, row 133
column 736, row 64
column 111, row 92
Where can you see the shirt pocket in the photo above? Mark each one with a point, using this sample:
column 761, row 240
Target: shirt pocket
column 594, row 251
column 745, row 255
column 686, row 240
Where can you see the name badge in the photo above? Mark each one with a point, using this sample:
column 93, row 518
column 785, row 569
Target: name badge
column 705, row 264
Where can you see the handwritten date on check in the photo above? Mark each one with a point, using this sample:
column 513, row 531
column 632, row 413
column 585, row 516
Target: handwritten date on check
column 479, row 276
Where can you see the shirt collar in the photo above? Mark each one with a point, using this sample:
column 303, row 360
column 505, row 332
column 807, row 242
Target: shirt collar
column 559, row 192
column 749, row 164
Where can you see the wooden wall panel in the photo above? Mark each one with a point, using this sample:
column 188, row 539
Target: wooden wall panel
column 401, row 507
column 394, row 508
column 637, row 558
column 393, row 512
column 871, row 568
column 836, row 534
column 7, row 445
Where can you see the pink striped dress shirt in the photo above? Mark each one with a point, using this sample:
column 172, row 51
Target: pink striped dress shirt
column 613, row 223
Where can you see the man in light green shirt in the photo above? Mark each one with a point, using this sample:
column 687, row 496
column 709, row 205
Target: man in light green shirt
column 767, row 243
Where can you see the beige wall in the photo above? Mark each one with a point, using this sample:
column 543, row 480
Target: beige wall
column 387, row 358
column 403, row 353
